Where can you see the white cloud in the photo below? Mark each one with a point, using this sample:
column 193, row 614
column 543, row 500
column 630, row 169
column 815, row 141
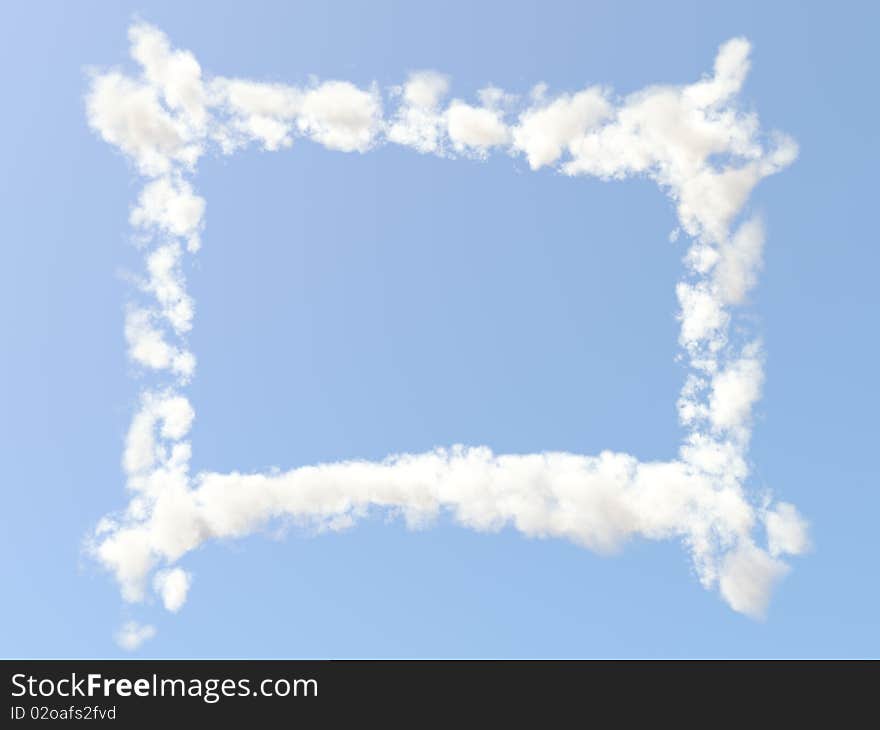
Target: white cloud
column 341, row 116
column 132, row 634
column 422, row 124
column 425, row 89
column 419, row 122
column 176, row 74
column 692, row 140
column 170, row 205
column 168, row 416
column 475, row 129
column 172, row 585
column 336, row 114
column 148, row 347
column 673, row 134
column 747, row 579
column 128, row 115
column 703, row 317
column 735, row 390
column 596, row 502
column 158, row 119
column 544, row 132
column 787, row 530
column 740, row 260
column 167, row 285
column 260, row 112
column 730, row 70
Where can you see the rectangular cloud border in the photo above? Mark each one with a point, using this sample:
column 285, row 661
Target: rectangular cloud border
column 692, row 140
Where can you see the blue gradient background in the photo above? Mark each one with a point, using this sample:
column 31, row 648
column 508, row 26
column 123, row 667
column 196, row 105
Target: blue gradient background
column 352, row 306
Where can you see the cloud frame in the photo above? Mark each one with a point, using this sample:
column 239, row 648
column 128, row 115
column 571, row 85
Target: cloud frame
column 166, row 118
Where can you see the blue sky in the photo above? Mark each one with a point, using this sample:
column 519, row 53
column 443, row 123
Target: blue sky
column 351, row 306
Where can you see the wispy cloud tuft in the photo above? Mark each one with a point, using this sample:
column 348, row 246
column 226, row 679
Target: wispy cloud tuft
column 132, row 634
